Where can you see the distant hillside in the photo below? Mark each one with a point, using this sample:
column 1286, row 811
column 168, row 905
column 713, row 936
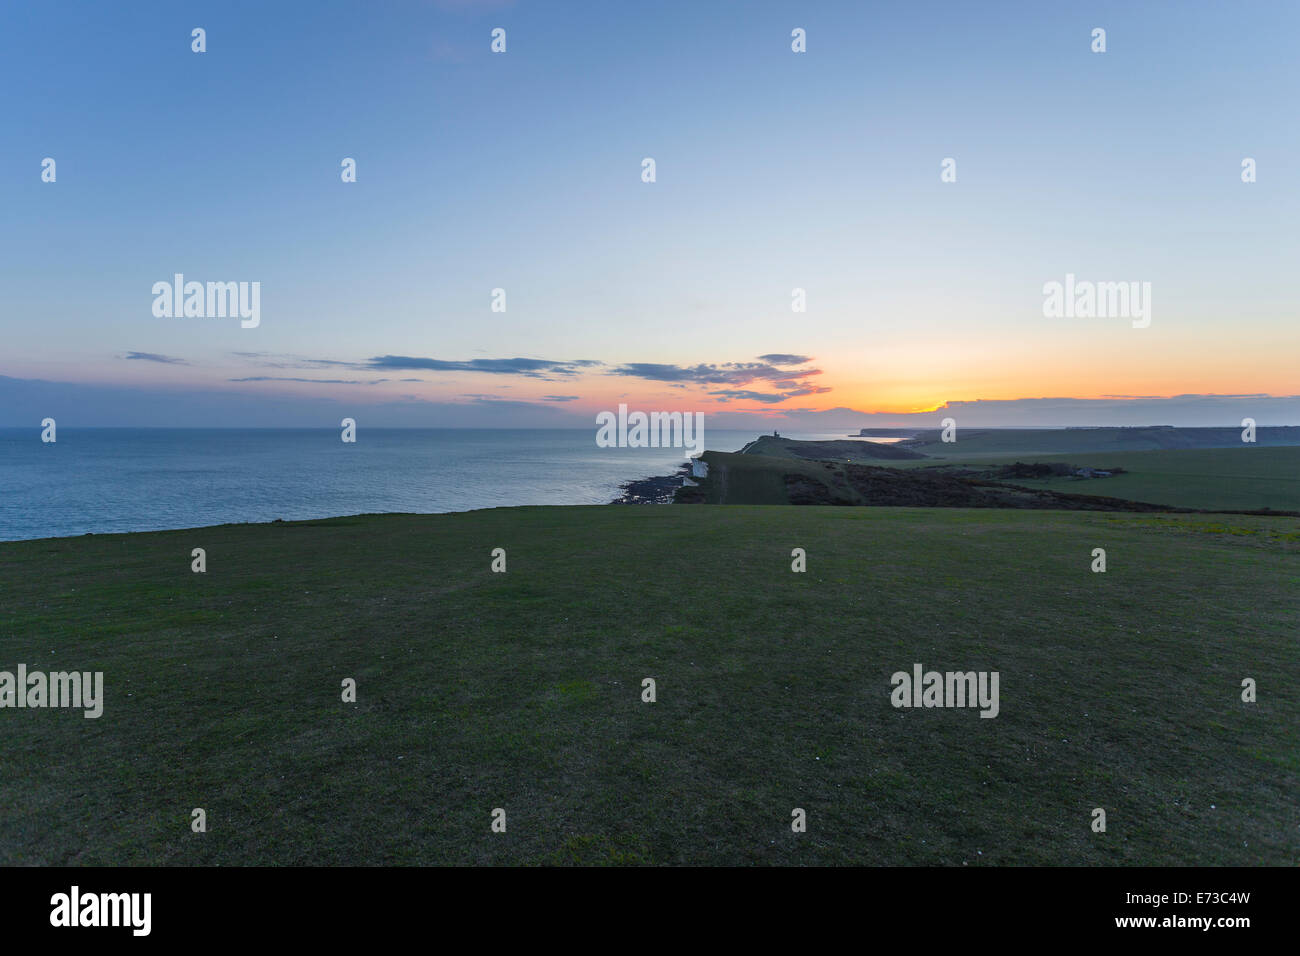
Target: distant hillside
column 1032, row 441
column 847, row 450
column 749, row 479
column 1244, row 478
column 1241, row 479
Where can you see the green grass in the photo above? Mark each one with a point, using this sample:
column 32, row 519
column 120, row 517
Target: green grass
column 854, row 449
column 1245, row 478
column 522, row 690
column 752, row 479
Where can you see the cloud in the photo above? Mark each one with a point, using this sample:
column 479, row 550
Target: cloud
column 788, row 382
column 772, row 398
column 529, row 368
column 23, row 401
column 224, row 406
column 727, row 373
column 1174, row 397
column 767, row 398
column 312, row 381
column 282, row 360
column 773, row 368
column 496, row 401
column 154, row 357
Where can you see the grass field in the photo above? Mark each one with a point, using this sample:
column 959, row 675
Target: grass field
column 1239, row 478
column 1244, row 478
column 755, row 479
column 522, row 690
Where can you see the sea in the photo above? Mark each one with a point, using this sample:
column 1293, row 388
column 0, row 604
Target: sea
column 105, row 480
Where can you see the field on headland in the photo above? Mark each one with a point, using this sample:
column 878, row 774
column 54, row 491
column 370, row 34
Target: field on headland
column 522, row 690
column 1240, row 478
column 1243, row 478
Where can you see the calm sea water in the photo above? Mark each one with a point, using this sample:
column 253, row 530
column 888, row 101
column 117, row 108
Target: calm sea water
column 109, row 480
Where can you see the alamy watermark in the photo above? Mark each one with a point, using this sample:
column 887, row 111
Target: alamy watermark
column 75, row 908
column 37, row 689
column 651, row 430
column 1098, row 300
column 212, row 300
column 951, row 689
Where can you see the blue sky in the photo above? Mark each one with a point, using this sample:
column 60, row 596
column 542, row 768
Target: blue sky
column 521, row 171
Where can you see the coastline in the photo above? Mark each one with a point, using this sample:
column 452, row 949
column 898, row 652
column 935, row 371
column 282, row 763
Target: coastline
column 109, row 481
column 655, row 490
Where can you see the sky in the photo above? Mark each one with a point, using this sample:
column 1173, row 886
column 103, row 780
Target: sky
column 523, row 171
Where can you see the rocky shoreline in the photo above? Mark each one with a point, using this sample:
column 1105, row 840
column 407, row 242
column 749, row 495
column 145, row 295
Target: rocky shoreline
column 658, row 490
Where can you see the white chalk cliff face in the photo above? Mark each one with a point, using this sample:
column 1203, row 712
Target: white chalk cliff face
column 699, row 469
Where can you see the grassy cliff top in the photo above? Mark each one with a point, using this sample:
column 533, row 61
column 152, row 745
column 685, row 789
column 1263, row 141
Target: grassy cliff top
column 850, row 449
column 522, row 690
column 1238, row 478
